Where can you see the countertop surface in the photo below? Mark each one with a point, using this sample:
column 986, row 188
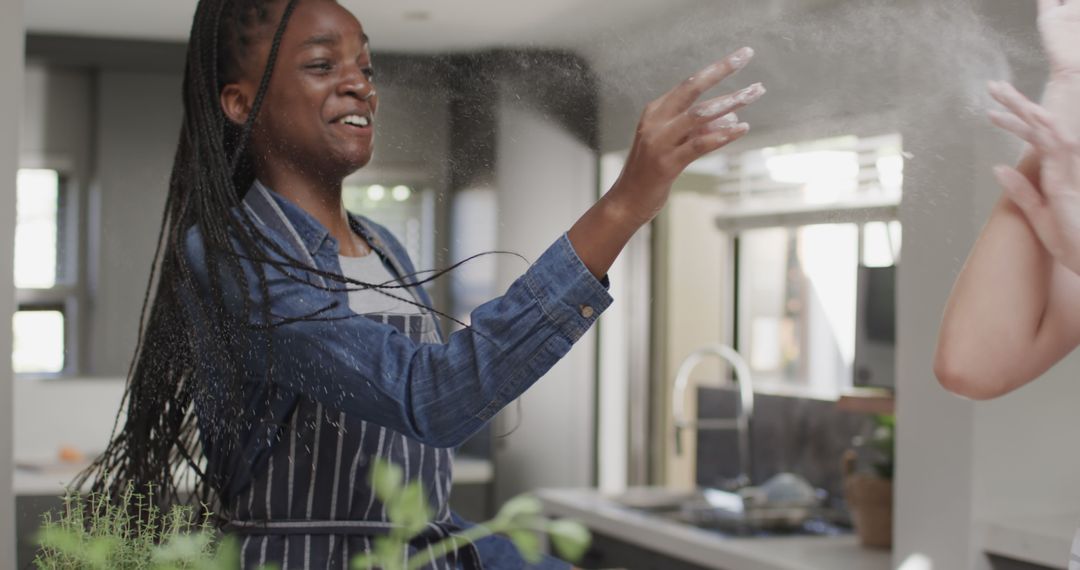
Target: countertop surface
column 1045, row 540
column 708, row 549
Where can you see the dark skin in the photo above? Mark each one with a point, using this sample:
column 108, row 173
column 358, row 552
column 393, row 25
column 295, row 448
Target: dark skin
column 301, row 147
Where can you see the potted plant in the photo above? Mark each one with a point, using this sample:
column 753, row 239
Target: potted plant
column 869, row 493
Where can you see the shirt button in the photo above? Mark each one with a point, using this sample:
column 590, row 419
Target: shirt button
column 587, row 311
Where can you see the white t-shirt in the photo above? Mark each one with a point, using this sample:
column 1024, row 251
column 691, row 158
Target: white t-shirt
column 370, row 269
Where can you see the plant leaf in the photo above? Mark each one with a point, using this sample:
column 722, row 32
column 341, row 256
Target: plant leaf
column 228, row 554
column 571, row 539
column 59, row 539
column 519, row 509
column 386, row 480
column 389, row 553
column 182, row 548
column 100, row 550
column 528, row 544
column 410, row 510
column 363, row 561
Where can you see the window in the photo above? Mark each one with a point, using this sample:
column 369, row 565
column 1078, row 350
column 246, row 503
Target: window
column 804, row 218
column 45, row 274
column 797, row 296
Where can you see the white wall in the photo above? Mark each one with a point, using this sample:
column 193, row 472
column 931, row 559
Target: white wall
column 138, row 118
column 935, row 435
column 546, row 179
column 11, row 72
column 57, row 118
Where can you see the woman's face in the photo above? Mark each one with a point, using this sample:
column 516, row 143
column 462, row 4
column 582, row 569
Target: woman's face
column 318, row 114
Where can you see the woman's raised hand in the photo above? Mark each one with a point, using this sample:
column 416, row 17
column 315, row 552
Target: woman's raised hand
column 677, row 129
column 1053, row 210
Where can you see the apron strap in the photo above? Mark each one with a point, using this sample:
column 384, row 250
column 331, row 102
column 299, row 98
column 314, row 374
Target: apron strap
column 261, row 205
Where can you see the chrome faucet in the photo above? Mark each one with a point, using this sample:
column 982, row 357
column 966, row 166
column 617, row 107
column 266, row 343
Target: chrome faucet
column 741, row 422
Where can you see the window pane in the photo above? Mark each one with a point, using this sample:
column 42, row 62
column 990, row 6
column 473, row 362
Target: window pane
column 37, row 209
column 881, row 244
column 797, row 304
column 474, row 225
column 39, row 342
column 824, row 175
column 813, row 173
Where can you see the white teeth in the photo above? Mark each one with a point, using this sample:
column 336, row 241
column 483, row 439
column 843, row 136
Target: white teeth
column 354, row 120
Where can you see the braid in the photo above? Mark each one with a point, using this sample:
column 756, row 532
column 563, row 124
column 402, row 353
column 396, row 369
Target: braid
column 159, row 444
column 159, row 441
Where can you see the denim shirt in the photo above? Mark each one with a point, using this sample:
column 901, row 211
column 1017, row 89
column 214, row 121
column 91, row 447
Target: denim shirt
column 436, row 394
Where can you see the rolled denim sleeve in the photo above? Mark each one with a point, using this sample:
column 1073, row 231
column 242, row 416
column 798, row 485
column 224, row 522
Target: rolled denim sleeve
column 570, row 296
column 438, row 394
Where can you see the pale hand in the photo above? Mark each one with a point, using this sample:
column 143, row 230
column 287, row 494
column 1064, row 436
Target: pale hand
column 1059, row 23
column 675, row 130
column 1053, row 210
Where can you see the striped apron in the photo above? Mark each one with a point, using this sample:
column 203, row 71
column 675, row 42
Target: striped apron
column 312, row 506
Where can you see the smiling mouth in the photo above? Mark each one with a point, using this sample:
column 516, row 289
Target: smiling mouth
column 355, row 121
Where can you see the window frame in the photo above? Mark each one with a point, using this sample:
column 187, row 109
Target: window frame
column 808, row 389
column 736, row 219
column 69, row 294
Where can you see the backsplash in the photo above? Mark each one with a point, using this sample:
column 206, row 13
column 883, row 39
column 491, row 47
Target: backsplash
column 802, row 436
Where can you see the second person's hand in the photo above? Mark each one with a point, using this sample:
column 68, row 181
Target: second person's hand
column 1053, row 208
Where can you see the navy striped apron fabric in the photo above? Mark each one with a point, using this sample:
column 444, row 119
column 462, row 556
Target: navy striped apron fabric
column 312, row 506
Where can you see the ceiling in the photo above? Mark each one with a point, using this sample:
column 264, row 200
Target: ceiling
column 401, row 26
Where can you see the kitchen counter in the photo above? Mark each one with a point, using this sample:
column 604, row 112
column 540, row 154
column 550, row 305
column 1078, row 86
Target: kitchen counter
column 705, row 548
column 44, row 478
column 1044, row 540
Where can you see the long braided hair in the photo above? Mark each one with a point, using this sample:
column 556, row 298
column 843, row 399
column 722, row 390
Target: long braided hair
column 158, row 451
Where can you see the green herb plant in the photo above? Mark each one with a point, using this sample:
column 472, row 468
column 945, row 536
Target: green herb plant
column 130, row 534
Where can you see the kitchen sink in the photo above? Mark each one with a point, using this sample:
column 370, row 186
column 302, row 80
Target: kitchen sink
column 727, row 513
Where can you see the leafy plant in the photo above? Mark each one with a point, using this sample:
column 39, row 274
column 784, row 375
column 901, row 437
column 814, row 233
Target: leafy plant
column 883, row 440
column 133, row 534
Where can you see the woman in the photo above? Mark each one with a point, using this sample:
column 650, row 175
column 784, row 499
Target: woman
column 1015, row 308
column 288, row 344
